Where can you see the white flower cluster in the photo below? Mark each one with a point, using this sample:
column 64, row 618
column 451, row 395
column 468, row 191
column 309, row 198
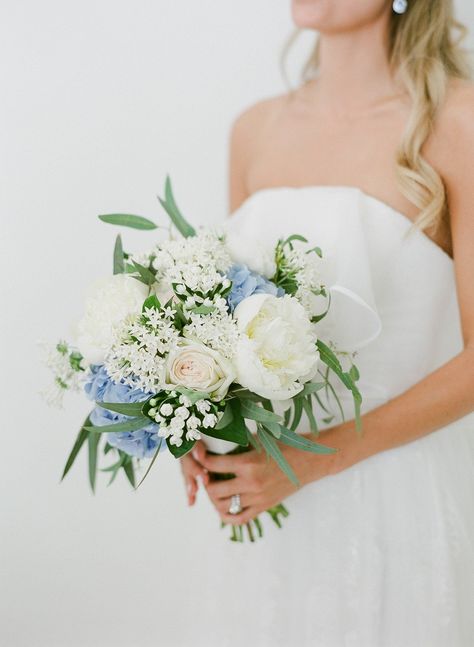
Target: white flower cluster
column 65, row 365
column 141, row 345
column 195, row 264
column 182, row 419
column 307, row 267
column 218, row 330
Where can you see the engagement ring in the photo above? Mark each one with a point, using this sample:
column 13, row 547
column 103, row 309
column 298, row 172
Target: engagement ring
column 235, row 507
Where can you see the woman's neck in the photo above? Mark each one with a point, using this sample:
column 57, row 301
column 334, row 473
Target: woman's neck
column 354, row 72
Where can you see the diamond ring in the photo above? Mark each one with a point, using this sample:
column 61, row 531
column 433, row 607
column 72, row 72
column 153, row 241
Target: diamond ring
column 235, row 507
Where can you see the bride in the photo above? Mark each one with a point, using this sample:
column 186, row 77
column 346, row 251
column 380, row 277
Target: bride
column 378, row 550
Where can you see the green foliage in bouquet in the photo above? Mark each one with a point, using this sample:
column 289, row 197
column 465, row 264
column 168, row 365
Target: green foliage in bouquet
column 239, row 404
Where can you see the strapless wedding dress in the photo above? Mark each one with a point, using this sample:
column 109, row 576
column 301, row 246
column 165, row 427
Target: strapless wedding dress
column 380, row 555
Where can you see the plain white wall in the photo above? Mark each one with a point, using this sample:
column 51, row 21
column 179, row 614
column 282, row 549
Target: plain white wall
column 100, row 99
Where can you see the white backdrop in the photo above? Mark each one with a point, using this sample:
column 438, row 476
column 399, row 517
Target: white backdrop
column 100, row 99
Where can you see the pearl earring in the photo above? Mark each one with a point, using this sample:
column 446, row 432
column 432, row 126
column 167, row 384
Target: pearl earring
column 400, row 6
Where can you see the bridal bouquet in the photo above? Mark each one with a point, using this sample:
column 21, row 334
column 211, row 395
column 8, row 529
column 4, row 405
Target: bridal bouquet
column 205, row 336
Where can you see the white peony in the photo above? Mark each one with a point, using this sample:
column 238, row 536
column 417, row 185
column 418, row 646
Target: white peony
column 252, row 252
column 196, row 366
column 108, row 303
column 277, row 352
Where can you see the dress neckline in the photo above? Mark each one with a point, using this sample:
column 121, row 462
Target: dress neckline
column 357, row 190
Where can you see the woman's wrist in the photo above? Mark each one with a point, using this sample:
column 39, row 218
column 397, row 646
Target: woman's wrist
column 350, row 449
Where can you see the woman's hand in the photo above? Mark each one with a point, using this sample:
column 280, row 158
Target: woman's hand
column 258, row 480
column 193, row 472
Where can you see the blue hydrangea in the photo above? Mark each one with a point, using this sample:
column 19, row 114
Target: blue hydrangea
column 245, row 283
column 101, row 388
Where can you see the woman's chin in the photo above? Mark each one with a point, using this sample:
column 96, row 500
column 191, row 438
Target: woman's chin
column 310, row 14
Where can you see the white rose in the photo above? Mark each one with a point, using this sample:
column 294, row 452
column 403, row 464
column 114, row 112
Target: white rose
column 109, row 301
column 200, row 368
column 252, row 252
column 277, row 353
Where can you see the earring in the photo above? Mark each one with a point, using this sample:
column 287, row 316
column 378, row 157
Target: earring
column 400, row 6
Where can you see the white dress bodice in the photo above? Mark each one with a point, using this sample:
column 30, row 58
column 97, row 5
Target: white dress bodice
column 381, row 554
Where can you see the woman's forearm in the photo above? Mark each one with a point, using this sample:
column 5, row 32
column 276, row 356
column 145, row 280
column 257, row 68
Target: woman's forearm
column 442, row 397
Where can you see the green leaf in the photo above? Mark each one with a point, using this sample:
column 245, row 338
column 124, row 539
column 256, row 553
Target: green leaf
column 312, row 387
column 115, row 466
column 75, row 359
column 245, row 394
column 113, row 476
column 183, row 449
column 151, row 302
column 125, row 408
column 354, row 373
column 308, row 409
column 292, row 439
column 316, row 250
column 107, row 448
column 298, row 411
column 194, row 396
column 227, row 417
column 93, row 444
column 274, row 428
column 129, row 470
column 146, row 276
column 271, row 447
column 330, row 359
column 317, row 318
column 238, row 423
column 119, row 265
column 202, row 310
column 80, row 440
column 128, row 220
column 128, row 425
column 295, row 237
column 232, row 433
column 253, row 441
column 253, row 411
column 171, row 208
column 151, row 463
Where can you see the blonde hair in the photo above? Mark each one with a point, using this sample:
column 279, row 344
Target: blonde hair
column 424, row 50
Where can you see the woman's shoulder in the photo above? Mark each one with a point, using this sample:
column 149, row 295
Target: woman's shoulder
column 256, row 118
column 456, row 113
column 452, row 141
column 457, row 110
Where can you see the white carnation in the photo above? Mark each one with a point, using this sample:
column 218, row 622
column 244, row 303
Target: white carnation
column 278, row 352
column 109, row 302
